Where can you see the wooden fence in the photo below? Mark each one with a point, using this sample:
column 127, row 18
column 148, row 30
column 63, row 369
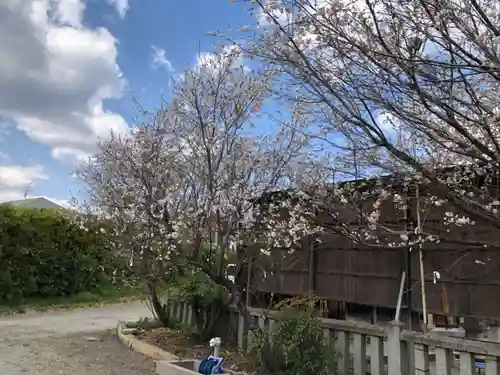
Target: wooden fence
column 375, row 349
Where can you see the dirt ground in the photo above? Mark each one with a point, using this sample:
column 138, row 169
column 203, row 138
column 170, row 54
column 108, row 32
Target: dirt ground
column 78, row 342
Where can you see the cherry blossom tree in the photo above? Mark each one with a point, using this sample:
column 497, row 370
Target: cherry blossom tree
column 405, row 88
column 180, row 188
column 141, row 204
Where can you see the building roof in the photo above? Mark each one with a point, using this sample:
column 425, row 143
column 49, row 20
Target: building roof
column 37, row 202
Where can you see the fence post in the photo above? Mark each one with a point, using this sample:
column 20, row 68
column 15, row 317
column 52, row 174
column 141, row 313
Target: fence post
column 171, row 309
column 241, row 331
column 185, row 312
column 394, row 352
column 178, row 311
column 493, row 332
column 166, row 306
column 190, row 318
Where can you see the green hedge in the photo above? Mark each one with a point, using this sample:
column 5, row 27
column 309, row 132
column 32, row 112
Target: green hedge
column 46, row 253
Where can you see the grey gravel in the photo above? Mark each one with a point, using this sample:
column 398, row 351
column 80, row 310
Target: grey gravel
column 77, row 342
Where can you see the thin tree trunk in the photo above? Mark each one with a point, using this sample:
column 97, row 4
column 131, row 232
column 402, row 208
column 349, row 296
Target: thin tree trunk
column 159, row 309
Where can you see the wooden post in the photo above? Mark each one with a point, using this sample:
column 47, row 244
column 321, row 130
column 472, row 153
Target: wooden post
column 421, row 261
column 376, row 356
column 241, row 332
column 394, row 352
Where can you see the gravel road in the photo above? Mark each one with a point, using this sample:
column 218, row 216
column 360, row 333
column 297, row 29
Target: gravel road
column 71, row 342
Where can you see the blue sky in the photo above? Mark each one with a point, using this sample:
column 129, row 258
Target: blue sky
column 70, row 72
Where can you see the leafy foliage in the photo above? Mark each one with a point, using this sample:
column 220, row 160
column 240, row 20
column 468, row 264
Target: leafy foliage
column 200, row 289
column 206, row 298
column 45, row 253
column 295, row 345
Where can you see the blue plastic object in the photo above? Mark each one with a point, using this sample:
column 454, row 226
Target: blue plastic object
column 480, row 365
column 211, row 365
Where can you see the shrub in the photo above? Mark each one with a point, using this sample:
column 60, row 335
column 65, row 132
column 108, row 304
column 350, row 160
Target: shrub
column 46, row 253
column 206, row 298
column 295, row 346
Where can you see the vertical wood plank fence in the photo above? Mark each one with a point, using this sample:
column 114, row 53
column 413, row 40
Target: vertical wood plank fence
column 378, row 350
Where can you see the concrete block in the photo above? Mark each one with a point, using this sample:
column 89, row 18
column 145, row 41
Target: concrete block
column 182, row 367
column 129, row 331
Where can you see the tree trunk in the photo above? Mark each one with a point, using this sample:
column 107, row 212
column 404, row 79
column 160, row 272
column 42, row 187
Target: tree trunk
column 159, row 310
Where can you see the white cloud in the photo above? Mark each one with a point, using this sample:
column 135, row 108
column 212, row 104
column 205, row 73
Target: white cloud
column 121, row 6
column 212, row 63
column 158, row 59
column 70, row 154
column 15, row 180
column 19, row 176
column 387, row 122
column 230, row 54
column 274, row 10
column 55, row 74
column 10, row 195
column 69, row 12
column 205, row 59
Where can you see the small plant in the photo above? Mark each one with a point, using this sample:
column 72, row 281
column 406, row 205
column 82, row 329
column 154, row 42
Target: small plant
column 295, row 346
column 143, row 323
column 177, row 325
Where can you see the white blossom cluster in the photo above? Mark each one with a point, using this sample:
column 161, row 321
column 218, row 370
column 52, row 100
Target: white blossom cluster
column 185, row 179
column 408, row 89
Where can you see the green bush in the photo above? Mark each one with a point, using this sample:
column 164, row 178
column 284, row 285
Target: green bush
column 206, row 298
column 295, row 346
column 47, row 253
